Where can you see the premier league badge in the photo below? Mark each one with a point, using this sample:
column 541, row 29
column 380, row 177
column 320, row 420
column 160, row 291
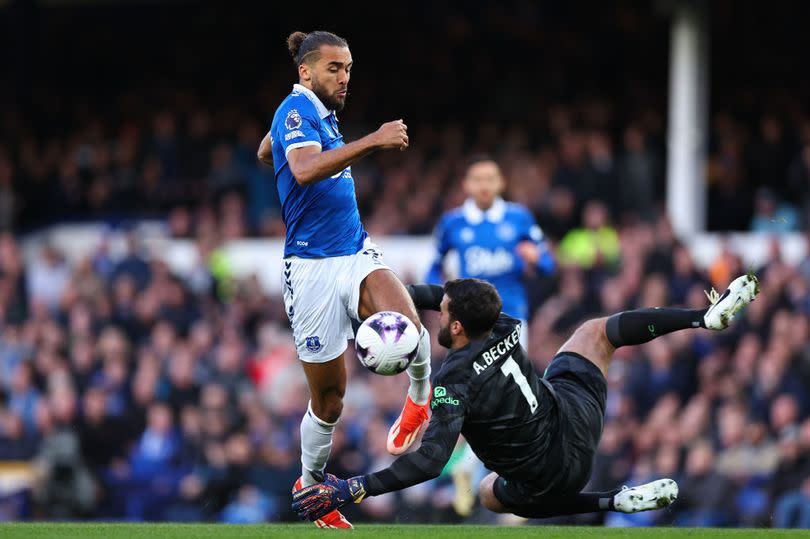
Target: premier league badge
column 293, row 120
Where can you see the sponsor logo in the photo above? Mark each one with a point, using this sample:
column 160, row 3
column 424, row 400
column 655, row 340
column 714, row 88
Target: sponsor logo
column 293, row 134
column 493, row 354
column 434, row 403
column 302, row 243
column 440, row 396
column 293, row 120
column 314, row 344
column 482, row 261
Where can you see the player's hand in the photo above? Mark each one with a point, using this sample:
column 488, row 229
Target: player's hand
column 392, row 135
column 315, row 501
column 529, row 252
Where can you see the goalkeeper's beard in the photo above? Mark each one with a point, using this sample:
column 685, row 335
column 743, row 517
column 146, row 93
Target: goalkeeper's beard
column 445, row 337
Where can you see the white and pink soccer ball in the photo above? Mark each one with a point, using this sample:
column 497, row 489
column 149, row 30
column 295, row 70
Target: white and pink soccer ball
column 386, row 343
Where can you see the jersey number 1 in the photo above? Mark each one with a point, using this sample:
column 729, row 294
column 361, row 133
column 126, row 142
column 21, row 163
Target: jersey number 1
column 510, row 366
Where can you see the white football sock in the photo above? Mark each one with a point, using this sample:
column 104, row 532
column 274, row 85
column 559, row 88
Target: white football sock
column 419, row 371
column 316, row 442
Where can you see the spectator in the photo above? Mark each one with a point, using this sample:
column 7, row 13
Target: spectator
column 799, row 181
column 596, row 244
column 102, row 437
column 704, row 493
column 183, row 388
column 793, row 466
column 16, row 442
column 48, row 278
column 771, row 215
column 793, row 509
column 23, row 397
column 9, row 203
column 65, row 487
column 133, row 263
column 150, row 476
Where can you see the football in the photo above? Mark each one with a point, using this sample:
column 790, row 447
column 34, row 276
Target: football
column 386, row 343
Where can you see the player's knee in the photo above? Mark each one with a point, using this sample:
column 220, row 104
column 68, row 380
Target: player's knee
column 414, row 317
column 409, row 310
column 592, row 330
column 486, row 492
column 587, row 338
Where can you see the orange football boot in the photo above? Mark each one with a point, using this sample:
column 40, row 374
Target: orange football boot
column 405, row 430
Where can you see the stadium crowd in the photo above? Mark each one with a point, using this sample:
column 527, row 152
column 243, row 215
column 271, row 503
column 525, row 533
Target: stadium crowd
column 140, row 394
column 199, row 167
column 164, row 137
column 135, row 393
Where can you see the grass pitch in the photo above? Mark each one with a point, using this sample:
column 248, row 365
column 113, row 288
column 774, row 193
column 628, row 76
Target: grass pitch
column 374, row 531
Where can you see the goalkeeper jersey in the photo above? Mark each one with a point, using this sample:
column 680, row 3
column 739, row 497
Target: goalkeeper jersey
column 489, row 392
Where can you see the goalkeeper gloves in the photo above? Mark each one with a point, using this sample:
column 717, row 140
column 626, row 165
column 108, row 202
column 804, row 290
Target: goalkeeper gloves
column 315, row 501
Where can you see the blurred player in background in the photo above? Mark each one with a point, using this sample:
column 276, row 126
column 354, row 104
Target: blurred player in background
column 537, row 434
column 499, row 242
column 333, row 273
column 495, row 240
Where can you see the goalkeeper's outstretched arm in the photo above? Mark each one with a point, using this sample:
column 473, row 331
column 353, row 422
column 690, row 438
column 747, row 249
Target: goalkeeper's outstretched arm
column 426, row 296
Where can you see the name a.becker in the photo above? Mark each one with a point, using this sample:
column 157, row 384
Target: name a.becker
column 493, row 354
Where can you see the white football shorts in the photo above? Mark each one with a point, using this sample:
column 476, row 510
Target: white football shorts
column 322, row 295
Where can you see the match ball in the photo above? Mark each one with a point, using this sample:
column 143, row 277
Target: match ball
column 386, row 343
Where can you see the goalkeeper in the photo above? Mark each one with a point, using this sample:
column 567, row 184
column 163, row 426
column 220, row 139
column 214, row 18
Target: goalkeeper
column 537, row 434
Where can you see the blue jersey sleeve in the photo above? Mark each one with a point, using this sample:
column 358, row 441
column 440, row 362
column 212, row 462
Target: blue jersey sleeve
column 442, row 238
column 298, row 125
column 531, row 231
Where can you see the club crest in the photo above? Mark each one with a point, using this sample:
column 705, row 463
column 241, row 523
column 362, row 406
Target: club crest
column 314, row 344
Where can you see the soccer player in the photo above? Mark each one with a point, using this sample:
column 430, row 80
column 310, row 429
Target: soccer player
column 496, row 241
column 537, row 434
column 333, row 273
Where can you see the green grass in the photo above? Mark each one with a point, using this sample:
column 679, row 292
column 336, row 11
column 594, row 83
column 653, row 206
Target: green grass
column 375, row 531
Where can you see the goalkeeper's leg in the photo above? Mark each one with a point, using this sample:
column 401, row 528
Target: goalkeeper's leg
column 499, row 496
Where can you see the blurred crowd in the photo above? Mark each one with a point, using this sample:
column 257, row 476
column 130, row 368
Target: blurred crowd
column 199, row 168
column 168, row 137
column 140, row 394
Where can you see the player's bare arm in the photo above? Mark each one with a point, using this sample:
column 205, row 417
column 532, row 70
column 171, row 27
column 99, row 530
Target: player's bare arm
column 310, row 165
column 265, row 153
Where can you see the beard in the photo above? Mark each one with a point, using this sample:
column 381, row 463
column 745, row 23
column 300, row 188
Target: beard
column 332, row 102
column 445, row 337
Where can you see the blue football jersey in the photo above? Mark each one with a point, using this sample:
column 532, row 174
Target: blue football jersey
column 322, row 219
column 486, row 243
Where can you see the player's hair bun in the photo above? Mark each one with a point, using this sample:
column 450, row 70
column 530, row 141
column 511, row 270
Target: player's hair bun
column 294, row 43
column 303, row 45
